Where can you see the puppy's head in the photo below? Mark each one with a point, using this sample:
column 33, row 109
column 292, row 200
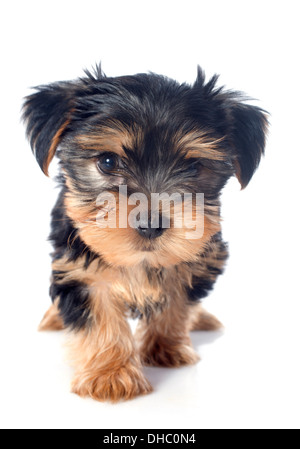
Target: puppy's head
column 121, row 141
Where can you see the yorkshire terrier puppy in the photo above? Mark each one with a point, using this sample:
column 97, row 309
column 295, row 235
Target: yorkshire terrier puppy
column 121, row 143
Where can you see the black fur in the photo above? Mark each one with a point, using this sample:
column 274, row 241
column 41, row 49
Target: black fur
column 73, row 301
column 201, row 289
column 248, row 137
column 157, row 103
column 212, row 261
column 45, row 112
column 64, row 236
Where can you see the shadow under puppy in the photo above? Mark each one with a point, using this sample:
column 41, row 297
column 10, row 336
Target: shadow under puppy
column 150, row 134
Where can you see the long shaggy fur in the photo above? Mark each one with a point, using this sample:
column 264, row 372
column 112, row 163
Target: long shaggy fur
column 165, row 137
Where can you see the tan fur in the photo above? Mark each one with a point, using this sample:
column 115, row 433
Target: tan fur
column 164, row 340
column 107, row 364
column 54, row 144
column 124, row 247
column 201, row 320
column 51, row 320
column 130, row 286
column 195, row 144
column 109, row 139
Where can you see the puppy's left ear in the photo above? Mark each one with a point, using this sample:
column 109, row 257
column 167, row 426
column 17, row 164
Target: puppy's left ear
column 47, row 114
column 249, row 126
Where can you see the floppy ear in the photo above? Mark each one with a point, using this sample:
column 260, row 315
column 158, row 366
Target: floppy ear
column 47, row 114
column 248, row 135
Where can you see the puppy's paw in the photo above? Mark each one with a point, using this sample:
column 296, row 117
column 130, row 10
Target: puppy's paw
column 163, row 352
column 201, row 320
column 51, row 320
column 124, row 384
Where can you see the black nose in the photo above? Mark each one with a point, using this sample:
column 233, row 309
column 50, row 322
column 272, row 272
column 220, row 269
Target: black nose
column 149, row 232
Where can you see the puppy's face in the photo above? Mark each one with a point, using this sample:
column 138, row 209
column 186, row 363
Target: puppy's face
column 121, row 140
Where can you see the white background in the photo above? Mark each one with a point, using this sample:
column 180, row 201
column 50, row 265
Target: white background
column 249, row 375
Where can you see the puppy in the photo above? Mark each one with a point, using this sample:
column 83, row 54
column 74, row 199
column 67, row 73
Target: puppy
column 121, row 143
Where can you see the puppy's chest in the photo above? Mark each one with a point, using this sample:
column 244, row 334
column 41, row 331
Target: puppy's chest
column 143, row 287
column 139, row 286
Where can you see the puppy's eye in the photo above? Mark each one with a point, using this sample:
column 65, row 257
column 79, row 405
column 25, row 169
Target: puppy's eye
column 108, row 162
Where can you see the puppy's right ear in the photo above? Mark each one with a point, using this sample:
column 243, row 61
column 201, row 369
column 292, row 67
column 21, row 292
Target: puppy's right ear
column 249, row 126
column 47, row 114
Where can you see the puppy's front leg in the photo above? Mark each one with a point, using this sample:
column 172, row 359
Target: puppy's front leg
column 164, row 337
column 107, row 364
